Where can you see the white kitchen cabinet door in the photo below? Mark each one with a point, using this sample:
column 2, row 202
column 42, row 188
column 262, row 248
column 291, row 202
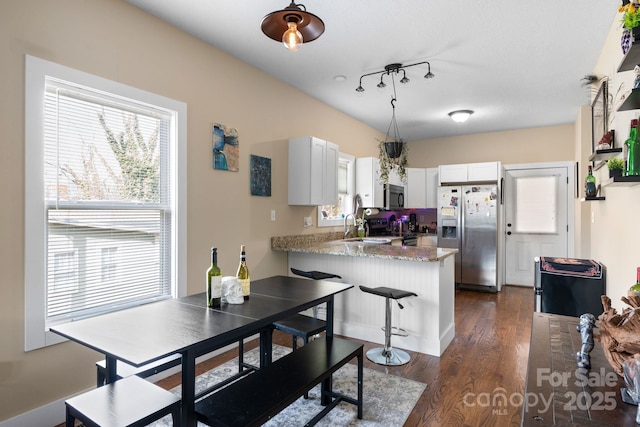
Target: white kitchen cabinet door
column 312, row 167
column 452, row 173
column 330, row 181
column 432, row 188
column 368, row 184
column 488, row 171
column 416, row 191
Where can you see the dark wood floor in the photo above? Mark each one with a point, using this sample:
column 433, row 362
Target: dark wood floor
column 488, row 356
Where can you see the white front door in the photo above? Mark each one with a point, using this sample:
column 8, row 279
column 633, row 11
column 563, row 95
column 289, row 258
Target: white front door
column 536, row 202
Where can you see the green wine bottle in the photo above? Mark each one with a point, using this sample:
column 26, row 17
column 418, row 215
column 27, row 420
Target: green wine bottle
column 590, row 188
column 633, row 151
column 636, row 287
column 214, row 285
column 243, row 274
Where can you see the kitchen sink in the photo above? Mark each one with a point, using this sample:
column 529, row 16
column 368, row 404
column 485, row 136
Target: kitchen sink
column 370, row 240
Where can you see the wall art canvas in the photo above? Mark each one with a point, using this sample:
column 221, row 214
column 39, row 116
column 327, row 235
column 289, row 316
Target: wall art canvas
column 226, row 148
column 260, row 180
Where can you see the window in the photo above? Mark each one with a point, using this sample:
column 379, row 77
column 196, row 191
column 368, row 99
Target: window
column 105, row 209
column 333, row 215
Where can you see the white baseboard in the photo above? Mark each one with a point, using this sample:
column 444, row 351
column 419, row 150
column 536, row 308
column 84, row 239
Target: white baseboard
column 53, row 413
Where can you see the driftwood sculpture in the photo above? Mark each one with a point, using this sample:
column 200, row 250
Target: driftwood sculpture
column 620, row 333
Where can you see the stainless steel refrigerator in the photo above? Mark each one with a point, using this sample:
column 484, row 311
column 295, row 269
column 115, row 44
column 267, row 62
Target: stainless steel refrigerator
column 468, row 221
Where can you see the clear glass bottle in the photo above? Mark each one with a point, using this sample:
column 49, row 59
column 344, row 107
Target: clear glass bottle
column 633, row 151
column 243, row 274
column 590, row 189
column 214, row 284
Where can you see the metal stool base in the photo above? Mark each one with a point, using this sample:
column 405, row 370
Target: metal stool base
column 390, row 357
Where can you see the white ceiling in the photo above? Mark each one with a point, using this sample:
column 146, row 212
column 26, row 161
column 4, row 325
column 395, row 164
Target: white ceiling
column 517, row 64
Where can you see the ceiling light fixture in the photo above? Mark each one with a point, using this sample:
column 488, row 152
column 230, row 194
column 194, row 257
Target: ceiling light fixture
column 395, row 68
column 460, row 116
column 292, row 26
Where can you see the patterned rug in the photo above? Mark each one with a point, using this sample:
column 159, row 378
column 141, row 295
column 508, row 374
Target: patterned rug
column 388, row 399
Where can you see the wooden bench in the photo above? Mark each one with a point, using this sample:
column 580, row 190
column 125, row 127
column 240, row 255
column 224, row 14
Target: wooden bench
column 258, row 397
column 128, row 402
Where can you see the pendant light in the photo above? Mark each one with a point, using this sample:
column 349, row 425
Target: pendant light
column 292, row 26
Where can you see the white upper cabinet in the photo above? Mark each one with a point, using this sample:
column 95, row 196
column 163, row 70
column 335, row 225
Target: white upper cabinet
column 313, row 172
column 416, row 194
column 469, row 172
column 422, row 188
column 368, row 184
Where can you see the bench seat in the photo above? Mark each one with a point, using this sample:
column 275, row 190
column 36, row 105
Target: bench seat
column 128, row 402
column 258, row 397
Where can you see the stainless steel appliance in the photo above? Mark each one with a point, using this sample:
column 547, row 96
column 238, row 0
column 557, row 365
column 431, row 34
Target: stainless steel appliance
column 393, row 197
column 468, row 221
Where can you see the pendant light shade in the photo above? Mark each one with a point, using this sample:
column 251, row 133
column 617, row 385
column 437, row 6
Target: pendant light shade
column 292, row 26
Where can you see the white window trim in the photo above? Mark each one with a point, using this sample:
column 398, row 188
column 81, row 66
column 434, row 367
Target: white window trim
column 36, row 70
column 351, row 186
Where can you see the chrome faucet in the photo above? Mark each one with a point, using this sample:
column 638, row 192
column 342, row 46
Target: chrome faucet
column 346, row 226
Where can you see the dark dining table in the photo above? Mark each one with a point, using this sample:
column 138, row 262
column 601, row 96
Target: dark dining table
column 144, row 334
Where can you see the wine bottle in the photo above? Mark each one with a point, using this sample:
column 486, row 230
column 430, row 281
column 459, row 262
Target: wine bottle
column 633, row 150
column 636, row 287
column 214, row 285
column 590, row 188
column 243, row 274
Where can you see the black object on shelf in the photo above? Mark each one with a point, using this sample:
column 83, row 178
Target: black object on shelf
column 591, row 199
column 632, row 102
column 622, row 181
column 605, row 154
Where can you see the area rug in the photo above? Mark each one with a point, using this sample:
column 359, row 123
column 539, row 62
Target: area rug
column 388, row 399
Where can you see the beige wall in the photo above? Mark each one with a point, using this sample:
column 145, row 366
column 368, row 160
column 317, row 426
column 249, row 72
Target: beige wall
column 112, row 39
column 543, row 144
column 614, row 230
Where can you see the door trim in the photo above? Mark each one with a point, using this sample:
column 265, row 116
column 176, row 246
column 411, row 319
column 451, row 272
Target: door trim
column 571, row 196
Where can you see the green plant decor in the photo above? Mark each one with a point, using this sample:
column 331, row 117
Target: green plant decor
column 387, row 164
column 631, row 17
column 615, row 164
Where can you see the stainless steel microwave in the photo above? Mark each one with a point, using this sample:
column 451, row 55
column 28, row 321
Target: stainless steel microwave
column 394, row 197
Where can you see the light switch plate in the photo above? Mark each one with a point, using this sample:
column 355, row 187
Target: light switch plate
column 307, row 221
column 273, row 214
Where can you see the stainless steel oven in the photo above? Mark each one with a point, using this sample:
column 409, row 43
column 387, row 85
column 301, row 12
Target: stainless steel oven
column 394, row 197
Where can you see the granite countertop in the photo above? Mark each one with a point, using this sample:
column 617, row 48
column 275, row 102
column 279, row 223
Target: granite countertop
column 333, row 244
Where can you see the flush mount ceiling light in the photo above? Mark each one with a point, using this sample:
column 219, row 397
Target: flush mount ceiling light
column 292, row 26
column 392, row 69
column 460, row 116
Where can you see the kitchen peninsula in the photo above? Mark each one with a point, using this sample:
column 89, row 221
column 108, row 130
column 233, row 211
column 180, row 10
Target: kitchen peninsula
column 427, row 271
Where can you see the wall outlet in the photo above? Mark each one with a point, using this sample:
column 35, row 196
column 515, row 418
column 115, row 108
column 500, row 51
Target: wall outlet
column 307, row 221
column 273, row 214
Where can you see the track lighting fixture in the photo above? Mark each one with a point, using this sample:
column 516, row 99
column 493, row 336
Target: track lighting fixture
column 395, row 68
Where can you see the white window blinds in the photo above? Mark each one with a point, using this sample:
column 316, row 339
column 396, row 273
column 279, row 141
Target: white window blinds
column 108, row 205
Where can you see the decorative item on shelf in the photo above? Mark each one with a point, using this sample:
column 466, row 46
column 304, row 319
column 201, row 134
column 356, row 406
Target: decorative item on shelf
column 587, row 323
column 292, row 26
column 606, row 142
column 616, row 166
column 590, row 189
column 630, row 22
column 633, row 150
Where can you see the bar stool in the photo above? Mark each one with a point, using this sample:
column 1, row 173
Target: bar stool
column 388, row 355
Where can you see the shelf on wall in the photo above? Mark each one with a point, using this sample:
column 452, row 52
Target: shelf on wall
column 592, row 199
column 631, row 58
column 605, row 154
column 632, row 102
column 622, row 181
